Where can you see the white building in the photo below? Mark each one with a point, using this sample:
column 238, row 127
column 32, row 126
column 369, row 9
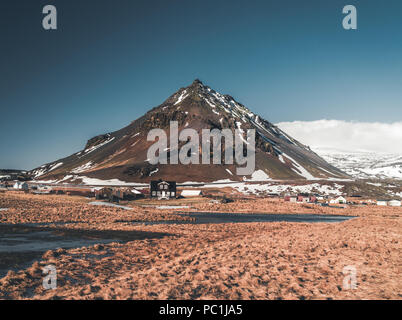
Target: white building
column 191, row 193
column 382, row 202
column 21, row 185
column 337, row 200
column 394, row 203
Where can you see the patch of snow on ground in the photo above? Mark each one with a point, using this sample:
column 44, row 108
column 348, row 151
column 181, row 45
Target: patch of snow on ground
column 107, row 204
column 83, row 168
column 279, row 188
column 374, row 184
column 94, row 181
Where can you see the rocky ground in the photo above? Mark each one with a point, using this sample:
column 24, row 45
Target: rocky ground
column 277, row 260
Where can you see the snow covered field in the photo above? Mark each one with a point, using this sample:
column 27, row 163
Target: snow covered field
column 365, row 165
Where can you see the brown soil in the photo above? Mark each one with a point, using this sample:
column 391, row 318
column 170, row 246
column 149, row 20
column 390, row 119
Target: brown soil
column 276, row 260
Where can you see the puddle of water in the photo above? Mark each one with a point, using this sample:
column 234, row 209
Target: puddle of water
column 21, row 245
column 215, row 217
column 107, row 204
column 43, row 241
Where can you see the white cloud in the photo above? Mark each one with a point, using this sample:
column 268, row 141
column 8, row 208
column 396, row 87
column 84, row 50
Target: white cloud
column 347, row 136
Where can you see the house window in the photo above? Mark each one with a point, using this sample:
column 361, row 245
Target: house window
column 172, row 193
column 154, row 193
column 159, row 193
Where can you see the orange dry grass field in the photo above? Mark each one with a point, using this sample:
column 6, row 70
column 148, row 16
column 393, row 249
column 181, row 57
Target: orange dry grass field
column 277, row 260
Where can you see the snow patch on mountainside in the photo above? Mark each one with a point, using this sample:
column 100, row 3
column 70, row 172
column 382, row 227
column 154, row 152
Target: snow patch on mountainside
column 45, row 169
column 92, row 149
column 301, row 170
column 83, row 168
column 258, row 175
column 183, row 96
column 122, row 153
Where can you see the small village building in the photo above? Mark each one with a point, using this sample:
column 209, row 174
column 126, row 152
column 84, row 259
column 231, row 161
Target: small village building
column 19, row 185
column 129, row 194
column 163, row 189
column 382, row 202
column 102, row 193
column 394, row 203
column 303, row 197
column 306, row 198
column 273, row 194
column 117, row 194
column 191, row 193
column 291, row 198
column 44, row 189
column 338, row 200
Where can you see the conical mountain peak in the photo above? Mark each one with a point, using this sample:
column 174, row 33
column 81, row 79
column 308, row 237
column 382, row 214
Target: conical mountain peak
column 123, row 154
column 197, row 82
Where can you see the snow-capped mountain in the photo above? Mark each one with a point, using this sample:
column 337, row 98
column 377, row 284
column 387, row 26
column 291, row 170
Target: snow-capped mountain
column 123, row 154
column 364, row 165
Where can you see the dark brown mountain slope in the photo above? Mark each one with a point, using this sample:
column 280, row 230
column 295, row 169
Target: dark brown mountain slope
column 123, row 154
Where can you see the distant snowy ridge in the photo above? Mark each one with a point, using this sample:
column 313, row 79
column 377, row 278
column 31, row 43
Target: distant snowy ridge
column 364, row 165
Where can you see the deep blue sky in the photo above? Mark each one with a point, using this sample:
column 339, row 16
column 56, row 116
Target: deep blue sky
column 111, row 61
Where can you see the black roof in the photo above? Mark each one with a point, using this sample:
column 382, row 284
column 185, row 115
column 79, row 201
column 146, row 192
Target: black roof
column 154, row 184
